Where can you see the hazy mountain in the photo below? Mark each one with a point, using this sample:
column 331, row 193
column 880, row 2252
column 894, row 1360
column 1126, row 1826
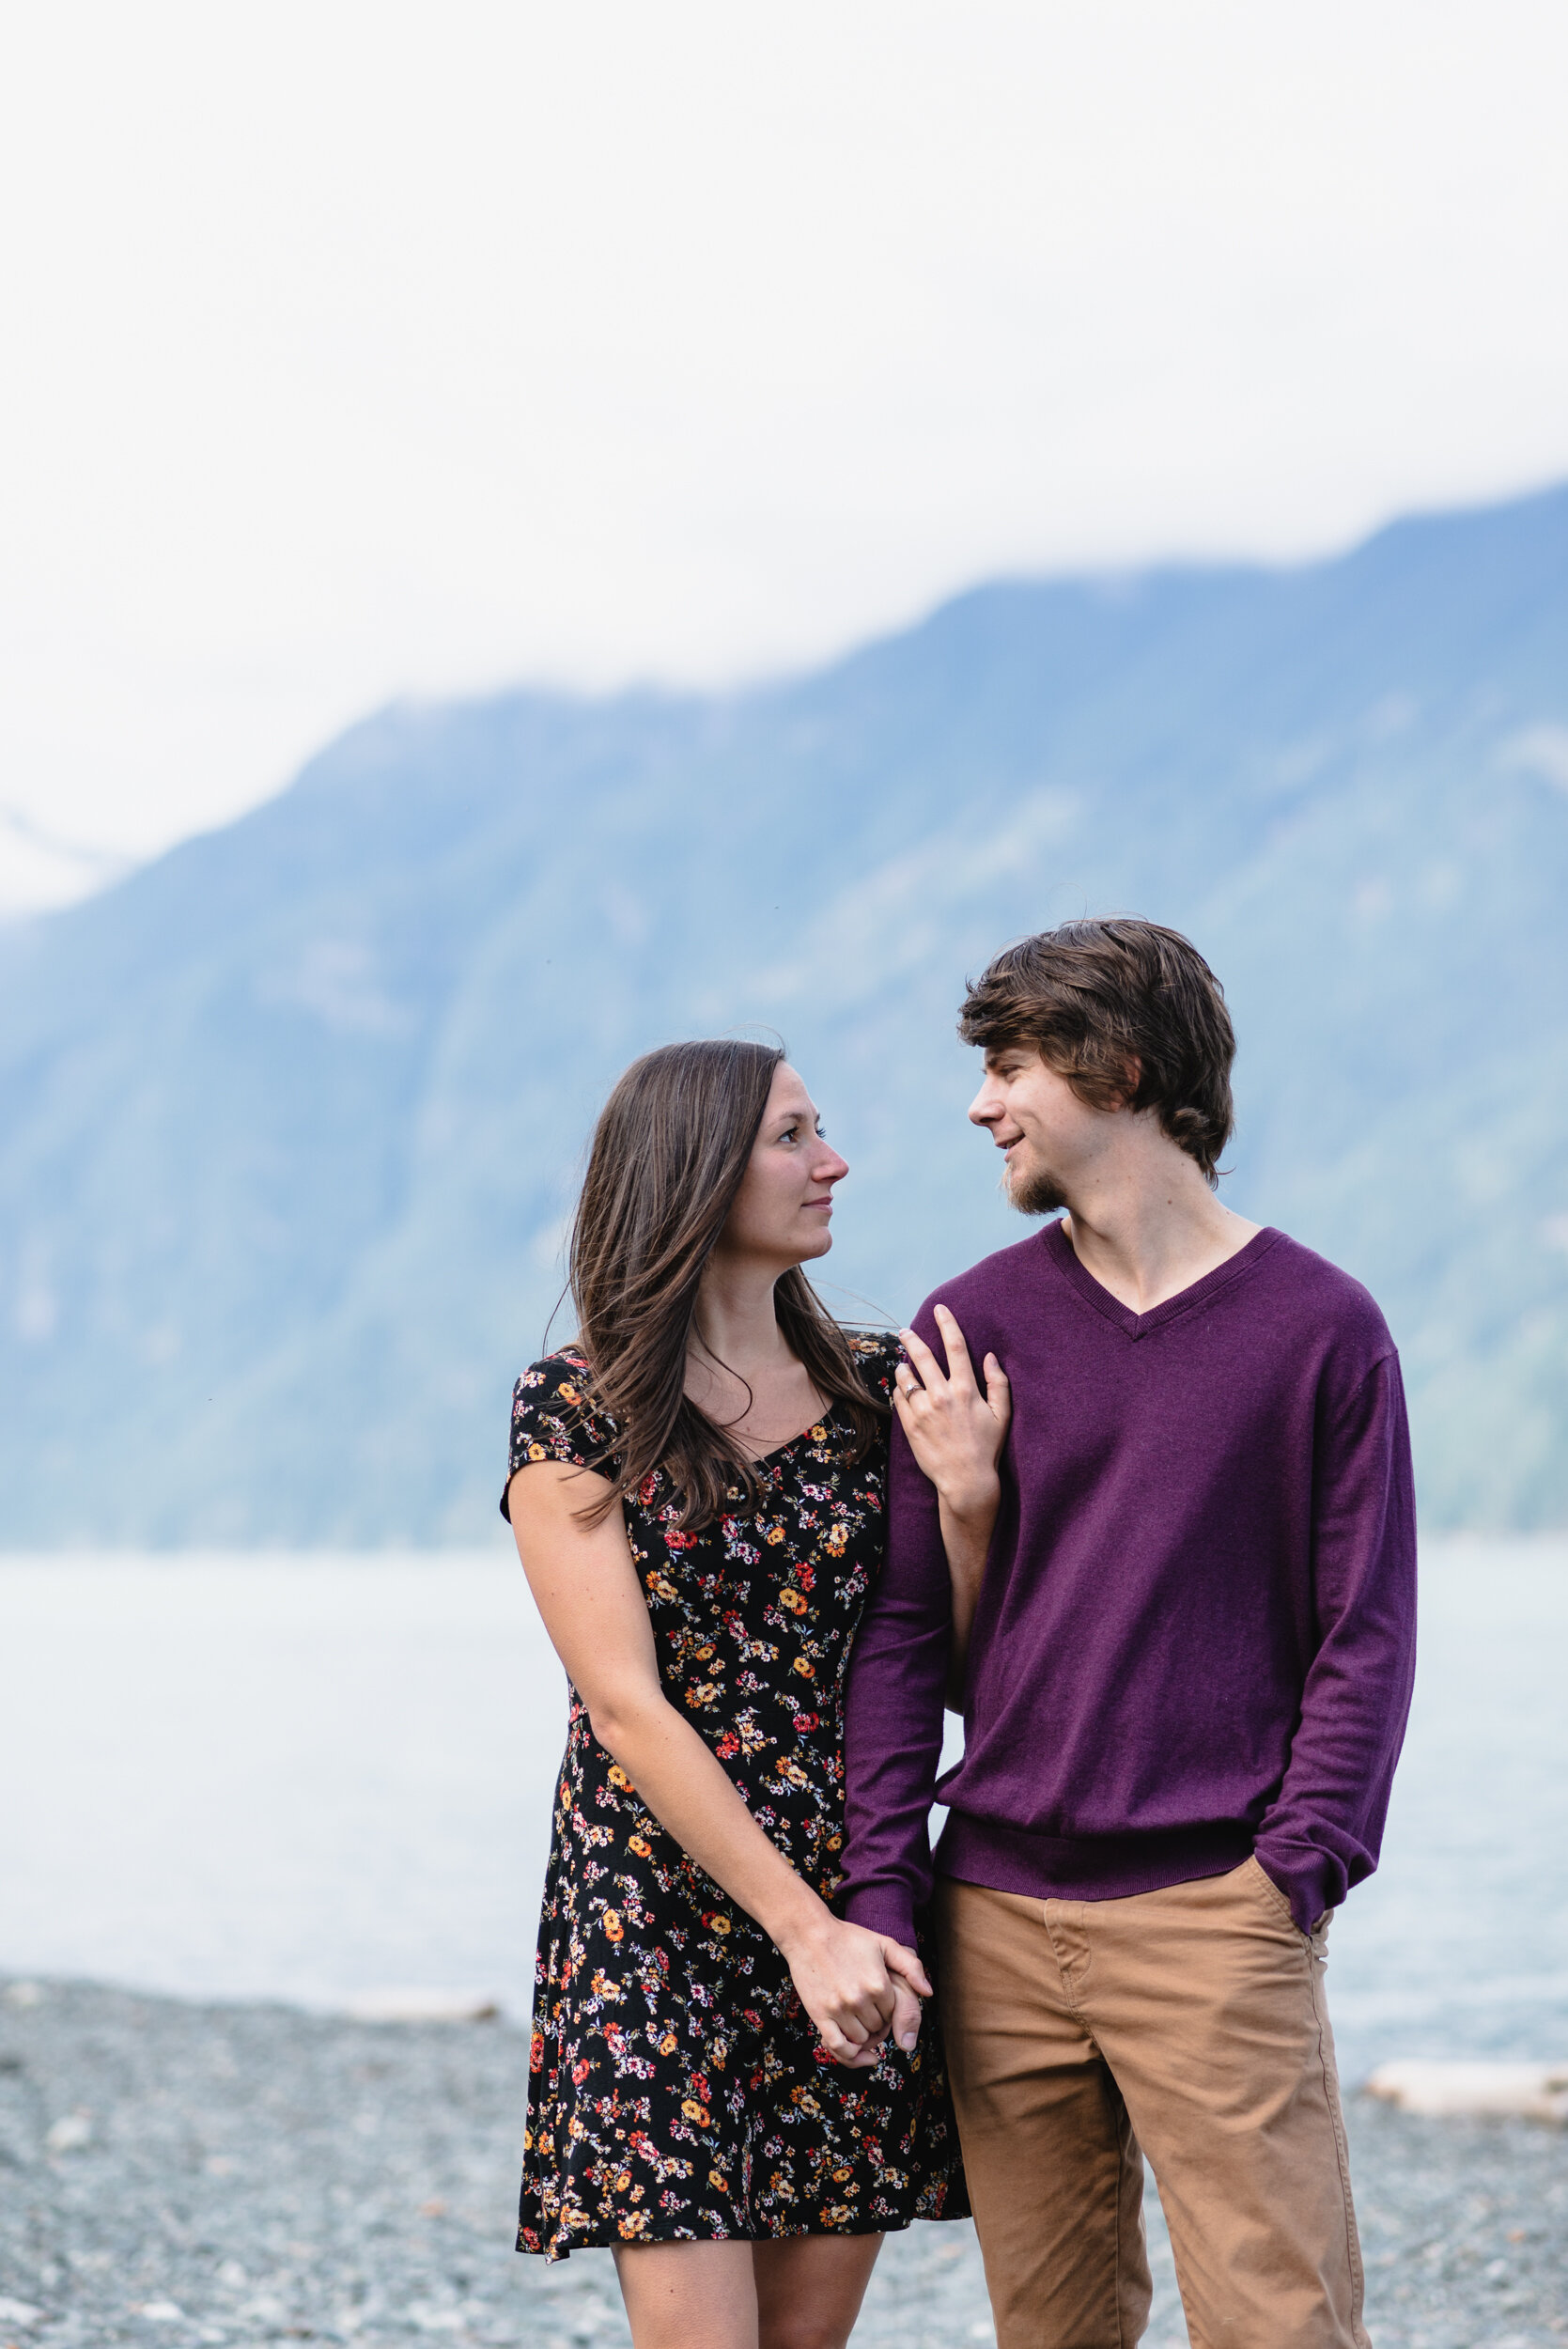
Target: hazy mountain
column 290, row 1117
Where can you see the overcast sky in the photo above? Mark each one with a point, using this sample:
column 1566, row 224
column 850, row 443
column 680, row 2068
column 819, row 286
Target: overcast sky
column 362, row 350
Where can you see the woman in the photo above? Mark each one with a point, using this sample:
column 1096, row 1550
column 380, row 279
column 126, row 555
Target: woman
column 697, row 1490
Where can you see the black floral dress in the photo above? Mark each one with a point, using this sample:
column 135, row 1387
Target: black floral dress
column 678, row 2089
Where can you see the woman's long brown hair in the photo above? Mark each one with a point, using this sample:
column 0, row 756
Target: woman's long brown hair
column 668, row 1157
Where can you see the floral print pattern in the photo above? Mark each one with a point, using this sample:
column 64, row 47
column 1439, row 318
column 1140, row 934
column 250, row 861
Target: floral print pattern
column 678, row 2089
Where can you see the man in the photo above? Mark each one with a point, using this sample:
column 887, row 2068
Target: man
column 1186, row 1687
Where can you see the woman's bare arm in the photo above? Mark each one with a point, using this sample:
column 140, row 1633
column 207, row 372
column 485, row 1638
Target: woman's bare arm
column 856, row 1986
column 966, row 1542
column 957, row 1433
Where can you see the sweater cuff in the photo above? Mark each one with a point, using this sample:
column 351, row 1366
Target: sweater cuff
column 882, row 1908
column 1303, row 1879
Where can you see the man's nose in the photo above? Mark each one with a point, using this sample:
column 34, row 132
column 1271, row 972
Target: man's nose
column 985, row 1109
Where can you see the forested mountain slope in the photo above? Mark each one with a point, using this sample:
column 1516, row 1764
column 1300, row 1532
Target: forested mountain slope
column 291, row 1117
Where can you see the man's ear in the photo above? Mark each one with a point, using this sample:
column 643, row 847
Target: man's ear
column 1131, row 1078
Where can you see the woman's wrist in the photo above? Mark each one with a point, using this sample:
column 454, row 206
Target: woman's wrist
column 971, row 1505
column 799, row 1922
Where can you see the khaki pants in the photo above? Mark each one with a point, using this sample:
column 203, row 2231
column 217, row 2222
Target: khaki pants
column 1189, row 2022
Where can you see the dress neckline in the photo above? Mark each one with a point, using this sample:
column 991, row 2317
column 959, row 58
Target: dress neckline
column 775, row 1452
column 824, row 1419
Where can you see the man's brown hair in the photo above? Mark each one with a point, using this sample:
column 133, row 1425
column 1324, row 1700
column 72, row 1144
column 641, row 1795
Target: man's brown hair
column 1129, row 1013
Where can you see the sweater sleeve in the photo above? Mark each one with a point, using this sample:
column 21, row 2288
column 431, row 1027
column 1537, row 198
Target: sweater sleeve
column 894, row 1718
column 1322, row 1832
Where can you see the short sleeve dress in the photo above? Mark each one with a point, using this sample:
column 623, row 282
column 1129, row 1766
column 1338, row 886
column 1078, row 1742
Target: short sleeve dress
column 677, row 2090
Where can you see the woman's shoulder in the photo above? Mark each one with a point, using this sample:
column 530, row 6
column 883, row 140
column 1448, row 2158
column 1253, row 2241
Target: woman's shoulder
column 553, row 1416
column 875, row 1354
column 563, row 1375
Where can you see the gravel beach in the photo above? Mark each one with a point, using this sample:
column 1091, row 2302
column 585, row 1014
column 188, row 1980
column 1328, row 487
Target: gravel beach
column 173, row 2173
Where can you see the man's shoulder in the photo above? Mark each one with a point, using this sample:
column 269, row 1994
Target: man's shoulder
column 1327, row 1296
column 987, row 1287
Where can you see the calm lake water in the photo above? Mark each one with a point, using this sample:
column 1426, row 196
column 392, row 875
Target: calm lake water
column 301, row 1778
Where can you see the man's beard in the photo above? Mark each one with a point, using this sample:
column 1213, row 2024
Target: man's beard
column 1032, row 1195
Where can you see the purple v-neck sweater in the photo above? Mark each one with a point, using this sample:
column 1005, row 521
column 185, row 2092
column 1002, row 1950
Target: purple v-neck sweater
column 1196, row 1634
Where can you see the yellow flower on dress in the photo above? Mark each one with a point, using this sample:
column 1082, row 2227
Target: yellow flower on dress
column 696, row 2112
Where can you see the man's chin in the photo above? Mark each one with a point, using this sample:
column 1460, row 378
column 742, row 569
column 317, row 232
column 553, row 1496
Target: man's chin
column 1031, row 1194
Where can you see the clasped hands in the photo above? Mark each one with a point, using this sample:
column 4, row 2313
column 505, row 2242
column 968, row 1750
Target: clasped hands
column 860, row 1989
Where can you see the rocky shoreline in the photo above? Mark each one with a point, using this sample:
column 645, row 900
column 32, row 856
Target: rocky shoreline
column 178, row 2173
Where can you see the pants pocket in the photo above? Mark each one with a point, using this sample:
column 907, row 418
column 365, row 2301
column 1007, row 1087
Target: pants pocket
column 1270, row 1890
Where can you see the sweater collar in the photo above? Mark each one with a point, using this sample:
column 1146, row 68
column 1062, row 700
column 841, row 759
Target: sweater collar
column 1201, row 1293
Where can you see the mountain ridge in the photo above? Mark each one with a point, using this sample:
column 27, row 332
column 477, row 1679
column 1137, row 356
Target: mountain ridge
column 292, row 1115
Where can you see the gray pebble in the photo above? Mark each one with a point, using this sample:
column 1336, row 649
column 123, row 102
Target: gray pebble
column 173, row 2174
